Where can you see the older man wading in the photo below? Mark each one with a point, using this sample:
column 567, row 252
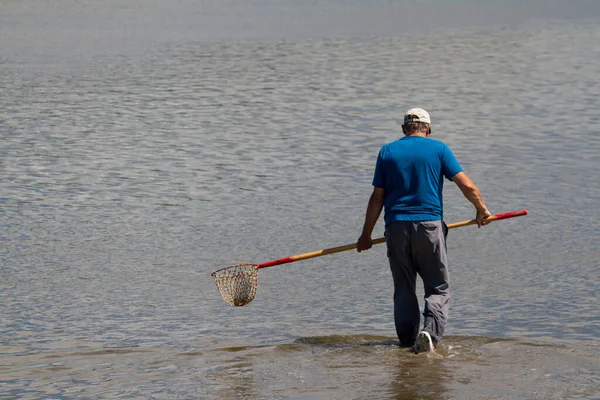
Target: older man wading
column 408, row 181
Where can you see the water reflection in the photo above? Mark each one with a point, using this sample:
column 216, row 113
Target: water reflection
column 421, row 376
column 235, row 380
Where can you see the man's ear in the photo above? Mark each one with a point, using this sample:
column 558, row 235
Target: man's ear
column 403, row 129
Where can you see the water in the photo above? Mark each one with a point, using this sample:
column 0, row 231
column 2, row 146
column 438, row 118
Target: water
column 145, row 145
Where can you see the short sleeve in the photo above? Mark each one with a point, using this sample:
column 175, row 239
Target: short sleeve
column 450, row 165
column 378, row 176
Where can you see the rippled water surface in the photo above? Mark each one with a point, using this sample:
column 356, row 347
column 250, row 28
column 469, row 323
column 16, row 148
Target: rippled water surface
column 145, row 145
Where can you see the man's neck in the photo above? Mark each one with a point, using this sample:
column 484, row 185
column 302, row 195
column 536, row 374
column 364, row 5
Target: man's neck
column 421, row 134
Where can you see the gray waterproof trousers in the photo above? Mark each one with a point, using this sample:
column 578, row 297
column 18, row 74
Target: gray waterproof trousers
column 419, row 248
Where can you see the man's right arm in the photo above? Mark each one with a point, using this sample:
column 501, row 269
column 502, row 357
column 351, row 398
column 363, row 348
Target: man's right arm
column 374, row 208
column 472, row 193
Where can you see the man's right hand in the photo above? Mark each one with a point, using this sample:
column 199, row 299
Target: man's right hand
column 364, row 243
column 481, row 216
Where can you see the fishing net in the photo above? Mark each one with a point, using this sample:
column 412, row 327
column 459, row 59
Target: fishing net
column 237, row 284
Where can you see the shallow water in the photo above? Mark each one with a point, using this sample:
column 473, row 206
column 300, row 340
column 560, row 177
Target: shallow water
column 360, row 366
column 144, row 146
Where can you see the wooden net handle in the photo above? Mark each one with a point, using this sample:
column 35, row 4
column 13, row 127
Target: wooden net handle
column 318, row 253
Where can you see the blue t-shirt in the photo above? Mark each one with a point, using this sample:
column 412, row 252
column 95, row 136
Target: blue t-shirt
column 411, row 170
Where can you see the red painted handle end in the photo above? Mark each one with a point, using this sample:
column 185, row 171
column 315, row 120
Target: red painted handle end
column 510, row 214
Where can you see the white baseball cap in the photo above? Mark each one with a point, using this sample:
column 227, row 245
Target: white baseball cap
column 417, row 115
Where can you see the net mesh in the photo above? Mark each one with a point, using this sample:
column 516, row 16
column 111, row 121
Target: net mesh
column 237, row 284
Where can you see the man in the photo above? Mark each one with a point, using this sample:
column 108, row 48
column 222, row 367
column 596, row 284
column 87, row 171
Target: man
column 408, row 180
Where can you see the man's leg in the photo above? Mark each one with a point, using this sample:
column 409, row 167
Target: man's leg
column 429, row 250
column 406, row 304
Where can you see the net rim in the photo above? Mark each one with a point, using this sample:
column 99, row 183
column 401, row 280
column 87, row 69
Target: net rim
column 217, row 272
